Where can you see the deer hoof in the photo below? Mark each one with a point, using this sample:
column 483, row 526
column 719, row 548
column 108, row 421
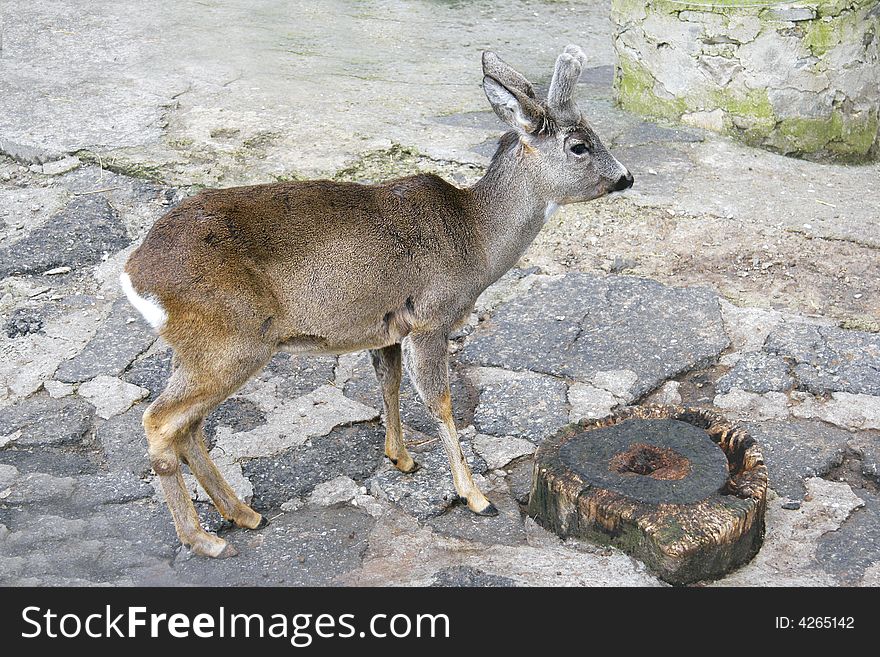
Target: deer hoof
column 208, row 545
column 407, row 465
column 489, row 511
column 264, row 522
column 228, row 551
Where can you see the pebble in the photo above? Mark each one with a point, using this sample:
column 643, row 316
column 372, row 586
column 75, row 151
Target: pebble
column 57, row 389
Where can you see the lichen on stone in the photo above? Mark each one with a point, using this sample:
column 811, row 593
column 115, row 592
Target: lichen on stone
column 635, row 86
column 803, row 79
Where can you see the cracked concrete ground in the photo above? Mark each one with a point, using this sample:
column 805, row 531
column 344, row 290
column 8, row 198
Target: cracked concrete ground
column 727, row 277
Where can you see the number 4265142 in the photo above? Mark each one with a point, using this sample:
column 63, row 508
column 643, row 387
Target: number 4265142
column 816, row 622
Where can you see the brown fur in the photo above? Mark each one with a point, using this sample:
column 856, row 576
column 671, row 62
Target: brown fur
column 327, row 267
column 359, row 264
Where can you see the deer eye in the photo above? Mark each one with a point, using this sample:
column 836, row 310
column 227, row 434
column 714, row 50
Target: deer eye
column 579, row 149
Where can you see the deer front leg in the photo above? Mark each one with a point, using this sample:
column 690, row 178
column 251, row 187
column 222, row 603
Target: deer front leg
column 387, row 363
column 427, row 363
column 194, row 453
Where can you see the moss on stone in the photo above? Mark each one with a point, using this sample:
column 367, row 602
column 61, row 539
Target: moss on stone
column 826, row 33
column 848, row 137
column 720, row 7
column 861, row 323
column 809, row 134
column 857, row 137
column 836, row 7
column 289, row 176
column 749, row 115
column 635, row 92
column 754, row 104
column 628, row 9
column 822, row 36
column 141, row 170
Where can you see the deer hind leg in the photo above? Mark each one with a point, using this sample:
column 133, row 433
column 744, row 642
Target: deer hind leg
column 172, row 423
column 427, row 363
column 387, row 363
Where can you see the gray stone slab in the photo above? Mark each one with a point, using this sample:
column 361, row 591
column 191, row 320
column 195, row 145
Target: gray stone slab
column 530, row 407
column 39, row 490
column 124, row 443
column 538, row 329
column 310, row 547
column 107, row 546
column 481, row 120
column 429, row 491
column 467, row 576
column 46, row 421
column 119, row 340
column 236, row 413
column 109, row 488
column 504, row 529
column 24, row 321
column 657, row 166
column 757, row 372
column 597, row 76
column 579, row 325
column 829, row 359
column 486, row 148
column 848, row 551
column 646, row 132
column 353, row 451
column 363, row 387
column 796, row 450
column 137, row 530
column 519, row 478
column 605, row 117
column 867, row 446
column 78, row 495
column 151, row 372
column 53, row 461
column 793, row 13
column 27, row 153
column 121, row 189
column 83, row 233
column 299, row 375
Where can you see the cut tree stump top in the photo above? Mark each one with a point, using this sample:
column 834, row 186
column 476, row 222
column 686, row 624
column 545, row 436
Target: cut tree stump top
column 681, row 489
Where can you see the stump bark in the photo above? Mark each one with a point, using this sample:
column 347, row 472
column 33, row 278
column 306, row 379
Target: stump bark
column 680, row 489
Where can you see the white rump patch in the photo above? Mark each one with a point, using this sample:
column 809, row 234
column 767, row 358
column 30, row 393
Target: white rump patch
column 148, row 307
column 549, row 211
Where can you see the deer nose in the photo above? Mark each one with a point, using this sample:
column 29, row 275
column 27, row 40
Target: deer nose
column 624, row 182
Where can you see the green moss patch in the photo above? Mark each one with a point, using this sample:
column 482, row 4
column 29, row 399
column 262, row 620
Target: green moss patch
column 635, row 92
column 847, row 136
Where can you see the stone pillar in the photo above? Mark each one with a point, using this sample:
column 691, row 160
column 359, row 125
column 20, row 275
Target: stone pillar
column 799, row 78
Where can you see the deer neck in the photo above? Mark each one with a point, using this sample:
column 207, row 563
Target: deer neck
column 509, row 206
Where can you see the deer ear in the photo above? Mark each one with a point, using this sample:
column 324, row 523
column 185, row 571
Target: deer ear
column 513, row 107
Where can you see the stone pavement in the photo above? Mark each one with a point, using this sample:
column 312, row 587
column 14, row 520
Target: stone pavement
column 718, row 280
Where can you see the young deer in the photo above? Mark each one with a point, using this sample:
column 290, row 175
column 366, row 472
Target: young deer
column 232, row 276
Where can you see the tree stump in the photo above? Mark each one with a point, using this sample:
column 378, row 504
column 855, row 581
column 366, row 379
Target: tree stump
column 680, row 489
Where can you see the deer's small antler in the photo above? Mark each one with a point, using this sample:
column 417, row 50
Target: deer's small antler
column 497, row 68
column 565, row 77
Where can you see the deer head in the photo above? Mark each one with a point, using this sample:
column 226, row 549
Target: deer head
column 567, row 160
